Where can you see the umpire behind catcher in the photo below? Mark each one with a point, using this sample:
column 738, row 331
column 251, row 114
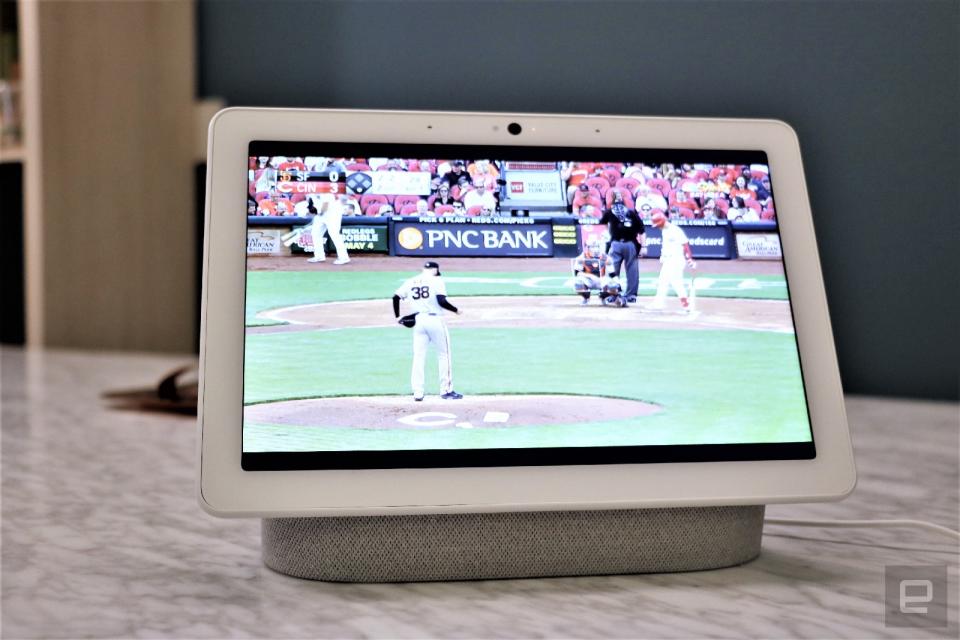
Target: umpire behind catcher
column 626, row 239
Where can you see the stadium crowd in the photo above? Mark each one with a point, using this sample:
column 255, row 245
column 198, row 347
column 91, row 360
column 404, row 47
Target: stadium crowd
column 687, row 191
column 476, row 188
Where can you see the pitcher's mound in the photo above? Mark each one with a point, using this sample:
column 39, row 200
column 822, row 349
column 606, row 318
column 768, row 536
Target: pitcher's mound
column 401, row 412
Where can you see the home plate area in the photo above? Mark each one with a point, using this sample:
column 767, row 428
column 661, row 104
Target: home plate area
column 472, row 412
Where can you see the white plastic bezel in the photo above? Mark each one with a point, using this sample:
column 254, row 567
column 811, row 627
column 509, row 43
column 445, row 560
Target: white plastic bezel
column 225, row 489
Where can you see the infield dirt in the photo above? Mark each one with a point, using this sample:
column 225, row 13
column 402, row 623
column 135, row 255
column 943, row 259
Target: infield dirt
column 471, row 412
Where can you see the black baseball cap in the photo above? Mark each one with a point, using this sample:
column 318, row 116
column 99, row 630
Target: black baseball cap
column 430, row 264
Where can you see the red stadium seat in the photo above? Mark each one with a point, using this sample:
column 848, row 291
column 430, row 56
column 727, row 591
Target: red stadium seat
column 475, row 210
column 262, row 195
column 598, row 184
column 768, row 214
column 753, row 204
column 687, row 213
column 358, row 166
column 612, row 175
column 401, row 201
column 596, row 203
column 408, row 210
column 372, row 209
column 297, row 197
column 627, row 198
column 592, row 197
column 629, row 184
column 660, row 185
column 370, row 198
column 444, row 210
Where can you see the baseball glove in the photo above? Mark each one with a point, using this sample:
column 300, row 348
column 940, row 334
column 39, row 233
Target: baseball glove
column 408, row 321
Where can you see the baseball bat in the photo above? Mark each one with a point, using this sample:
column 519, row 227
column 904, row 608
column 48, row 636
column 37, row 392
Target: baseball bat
column 291, row 237
column 693, row 288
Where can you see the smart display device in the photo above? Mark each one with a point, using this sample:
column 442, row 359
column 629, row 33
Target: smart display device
column 550, row 366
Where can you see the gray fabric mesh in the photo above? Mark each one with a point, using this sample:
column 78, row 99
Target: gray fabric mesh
column 512, row 545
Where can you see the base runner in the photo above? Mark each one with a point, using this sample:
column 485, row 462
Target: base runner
column 675, row 255
column 427, row 294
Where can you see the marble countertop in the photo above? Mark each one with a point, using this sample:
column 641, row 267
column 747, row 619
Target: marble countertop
column 102, row 537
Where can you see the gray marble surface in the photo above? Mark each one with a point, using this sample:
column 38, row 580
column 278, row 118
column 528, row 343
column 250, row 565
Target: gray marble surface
column 102, row 537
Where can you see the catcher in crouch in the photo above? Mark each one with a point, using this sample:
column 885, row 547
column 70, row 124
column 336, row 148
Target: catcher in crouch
column 593, row 271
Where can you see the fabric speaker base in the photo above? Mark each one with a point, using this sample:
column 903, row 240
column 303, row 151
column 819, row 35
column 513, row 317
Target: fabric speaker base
column 482, row 546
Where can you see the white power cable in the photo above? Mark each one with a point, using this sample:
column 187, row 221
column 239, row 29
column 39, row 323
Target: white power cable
column 920, row 524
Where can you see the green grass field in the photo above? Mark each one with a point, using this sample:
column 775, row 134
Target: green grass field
column 715, row 386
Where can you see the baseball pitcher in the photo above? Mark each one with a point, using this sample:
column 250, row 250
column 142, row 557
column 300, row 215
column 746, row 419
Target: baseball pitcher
column 427, row 294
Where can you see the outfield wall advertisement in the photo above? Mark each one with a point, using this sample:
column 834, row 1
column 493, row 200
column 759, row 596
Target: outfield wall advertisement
column 358, row 238
column 759, row 246
column 265, row 235
column 708, row 238
column 264, row 242
column 560, row 236
column 535, row 187
column 526, row 237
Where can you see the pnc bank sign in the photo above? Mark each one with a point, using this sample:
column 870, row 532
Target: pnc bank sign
column 432, row 239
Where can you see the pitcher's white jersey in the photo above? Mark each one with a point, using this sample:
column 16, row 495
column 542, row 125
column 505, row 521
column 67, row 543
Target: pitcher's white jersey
column 421, row 292
column 672, row 244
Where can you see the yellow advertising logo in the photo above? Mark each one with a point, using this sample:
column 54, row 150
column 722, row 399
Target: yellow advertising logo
column 410, row 238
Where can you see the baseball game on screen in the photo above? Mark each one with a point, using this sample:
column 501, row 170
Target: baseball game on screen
column 399, row 304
